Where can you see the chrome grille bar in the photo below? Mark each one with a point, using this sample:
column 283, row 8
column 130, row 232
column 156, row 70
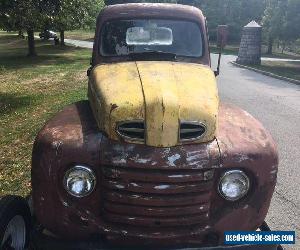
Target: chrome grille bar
column 191, row 131
column 132, row 130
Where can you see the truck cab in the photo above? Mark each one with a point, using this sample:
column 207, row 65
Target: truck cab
column 151, row 81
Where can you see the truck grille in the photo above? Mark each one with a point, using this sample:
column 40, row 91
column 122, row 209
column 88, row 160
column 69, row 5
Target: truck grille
column 191, row 131
column 151, row 198
column 135, row 130
column 132, row 130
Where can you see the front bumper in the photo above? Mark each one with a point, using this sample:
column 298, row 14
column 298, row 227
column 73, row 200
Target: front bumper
column 45, row 242
column 49, row 243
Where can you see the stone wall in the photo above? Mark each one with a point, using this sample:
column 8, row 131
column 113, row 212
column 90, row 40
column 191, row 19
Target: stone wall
column 250, row 47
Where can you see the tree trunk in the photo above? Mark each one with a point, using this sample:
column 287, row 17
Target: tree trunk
column 62, row 37
column 270, row 46
column 21, row 34
column 283, row 47
column 31, row 43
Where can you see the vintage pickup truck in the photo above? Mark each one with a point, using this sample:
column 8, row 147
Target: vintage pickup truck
column 152, row 159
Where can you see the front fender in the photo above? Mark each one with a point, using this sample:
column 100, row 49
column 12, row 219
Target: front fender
column 245, row 144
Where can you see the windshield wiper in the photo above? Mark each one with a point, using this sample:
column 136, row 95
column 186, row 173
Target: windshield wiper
column 150, row 52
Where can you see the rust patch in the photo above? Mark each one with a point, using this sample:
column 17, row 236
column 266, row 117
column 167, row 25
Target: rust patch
column 147, row 195
column 113, row 107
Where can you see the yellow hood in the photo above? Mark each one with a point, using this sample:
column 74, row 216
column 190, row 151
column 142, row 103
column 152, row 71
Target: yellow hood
column 160, row 93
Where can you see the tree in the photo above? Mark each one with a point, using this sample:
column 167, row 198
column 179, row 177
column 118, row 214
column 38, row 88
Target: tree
column 112, row 2
column 19, row 15
column 74, row 14
column 274, row 21
column 291, row 26
column 234, row 13
column 5, row 6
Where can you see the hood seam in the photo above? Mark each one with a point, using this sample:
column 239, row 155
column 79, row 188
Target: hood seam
column 145, row 113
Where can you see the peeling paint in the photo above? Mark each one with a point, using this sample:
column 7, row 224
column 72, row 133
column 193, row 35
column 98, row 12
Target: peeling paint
column 157, row 233
column 162, row 187
column 49, row 170
column 241, row 158
column 66, row 204
column 179, row 176
column 194, row 155
column 166, row 152
column 199, row 164
column 208, row 175
column 118, row 160
column 135, row 196
column 172, row 159
column 140, row 160
column 144, row 161
column 56, row 145
column 84, row 219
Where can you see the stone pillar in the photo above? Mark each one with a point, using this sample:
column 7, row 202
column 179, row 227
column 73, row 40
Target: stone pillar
column 250, row 47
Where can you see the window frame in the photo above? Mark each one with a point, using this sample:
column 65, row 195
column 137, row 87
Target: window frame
column 110, row 58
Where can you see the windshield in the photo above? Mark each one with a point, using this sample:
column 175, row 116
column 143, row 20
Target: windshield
column 125, row 37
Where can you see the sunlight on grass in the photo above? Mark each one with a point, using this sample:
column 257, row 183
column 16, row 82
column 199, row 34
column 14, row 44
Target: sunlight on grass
column 31, row 91
column 286, row 69
column 84, row 35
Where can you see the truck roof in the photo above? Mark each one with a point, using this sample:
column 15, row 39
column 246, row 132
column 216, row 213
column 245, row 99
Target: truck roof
column 154, row 10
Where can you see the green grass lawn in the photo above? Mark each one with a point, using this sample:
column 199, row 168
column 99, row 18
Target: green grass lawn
column 228, row 50
column 84, row 35
column 286, row 69
column 31, row 91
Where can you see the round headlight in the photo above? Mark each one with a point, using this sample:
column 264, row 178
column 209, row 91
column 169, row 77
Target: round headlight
column 234, row 185
column 79, row 181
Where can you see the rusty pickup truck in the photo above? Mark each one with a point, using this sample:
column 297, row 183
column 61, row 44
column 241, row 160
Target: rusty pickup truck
column 152, row 159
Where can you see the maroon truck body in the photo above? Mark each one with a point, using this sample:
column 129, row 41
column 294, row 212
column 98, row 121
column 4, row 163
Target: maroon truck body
column 190, row 211
column 143, row 196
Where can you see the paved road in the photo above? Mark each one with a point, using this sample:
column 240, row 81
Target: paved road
column 76, row 43
column 276, row 104
column 83, row 44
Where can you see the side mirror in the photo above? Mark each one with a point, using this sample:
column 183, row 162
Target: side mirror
column 222, row 36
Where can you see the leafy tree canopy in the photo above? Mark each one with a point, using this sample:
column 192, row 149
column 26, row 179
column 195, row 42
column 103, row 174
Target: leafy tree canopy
column 112, row 2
